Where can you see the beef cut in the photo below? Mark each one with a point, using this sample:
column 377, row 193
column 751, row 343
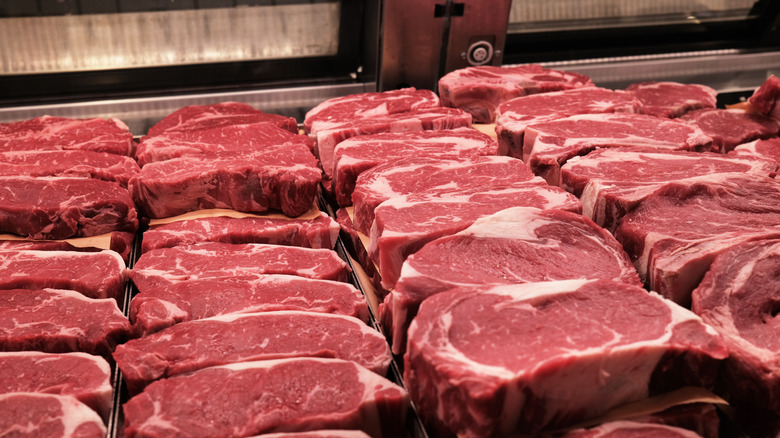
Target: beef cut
column 235, row 139
column 739, row 297
column 516, row 245
column 550, row 144
column 248, row 337
column 216, row 259
column 282, row 178
column 197, row 117
column 358, row 154
column 61, row 208
column 268, row 396
column 514, row 115
column 731, row 127
column 480, row 90
column 118, row 241
column 80, row 375
column 76, row 163
column 339, row 110
column 764, row 99
column 49, row 133
column 487, row 361
column 59, row 321
column 672, row 99
column 404, row 224
column 420, row 120
column 94, row 274
column 674, row 234
column 631, row 429
column 318, row 232
column 768, row 149
column 32, row 415
column 432, row 176
column 166, row 304
column 610, row 182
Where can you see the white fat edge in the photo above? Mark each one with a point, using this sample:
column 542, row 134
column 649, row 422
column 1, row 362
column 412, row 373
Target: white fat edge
column 749, row 147
column 119, row 124
column 38, row 356
column 76, row 413
column 379, row 110
column 512, row 223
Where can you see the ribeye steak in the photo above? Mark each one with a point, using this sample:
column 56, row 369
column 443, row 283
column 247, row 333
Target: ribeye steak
column 268, row 396
column 76, row 163
column 674, row 234
column 60, row 208
column 319, row 232
column 672, row 99
column 740, row 298
column 94, row 274
column 244, row 337
column 166, row 304
column 48, row 133
column 480, row 90
column 358, row 154
column 515, row 115
column 59, row 321
column 487, row 361
column 550, row 144
column 516, row 245
column 610, row 182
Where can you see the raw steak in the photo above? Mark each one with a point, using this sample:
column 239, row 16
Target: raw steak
column 674, row 234
column 479, row 90
column 672, row 99
column 250, row 336
column 358, row 154
column 166, row 304
column 610, row 182
column 487, row 361
column 195, row 117
column 630, row 429
column 59, row 321
column 764, row 99
column 216, row 259
column 48, row 133
column 515, row 115
column 31, row 415
column 551, row 144
column 339, row 110
column 433, row 177
column 319, row 232
column 317, row 434
column 76, row 163
column 421, row 120
column 268, row 396
column 404, row 224
column 516, row 245
column 80, row 375
column 278, row 178
column 237, row 139
column 118, row 241
column 731, row 127
column 768, row 149
column 739, row 297
column 60, row 208
column 94, row 274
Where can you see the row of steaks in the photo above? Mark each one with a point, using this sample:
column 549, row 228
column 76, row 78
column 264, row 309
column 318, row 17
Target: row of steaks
column 516, row 311
column 211, row 291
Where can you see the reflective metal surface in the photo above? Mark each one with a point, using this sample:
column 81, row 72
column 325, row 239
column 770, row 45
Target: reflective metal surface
column 167, row 38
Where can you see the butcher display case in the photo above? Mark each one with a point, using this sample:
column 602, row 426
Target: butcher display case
column 138, row 61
